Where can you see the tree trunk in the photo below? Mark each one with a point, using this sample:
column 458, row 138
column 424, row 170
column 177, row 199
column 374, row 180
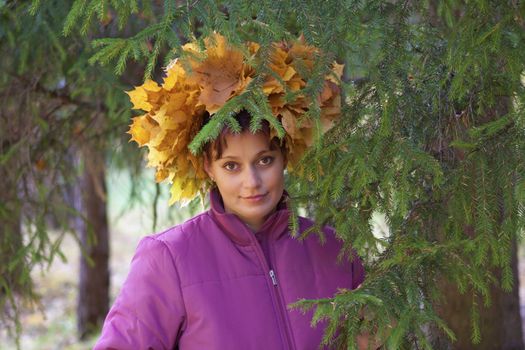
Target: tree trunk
column 93, row 289
column 500, row 323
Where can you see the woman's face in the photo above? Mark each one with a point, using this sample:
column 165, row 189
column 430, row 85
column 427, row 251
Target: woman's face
column 249, row 176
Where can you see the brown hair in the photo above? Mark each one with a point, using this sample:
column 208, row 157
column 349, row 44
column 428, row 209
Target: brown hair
column 213, row 149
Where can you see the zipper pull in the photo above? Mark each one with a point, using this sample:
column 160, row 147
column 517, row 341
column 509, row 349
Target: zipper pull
column 272, row 276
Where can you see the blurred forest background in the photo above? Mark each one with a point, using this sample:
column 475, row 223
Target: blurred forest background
column 423, row 175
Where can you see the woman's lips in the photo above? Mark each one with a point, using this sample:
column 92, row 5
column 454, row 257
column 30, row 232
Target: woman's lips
column 255, row 198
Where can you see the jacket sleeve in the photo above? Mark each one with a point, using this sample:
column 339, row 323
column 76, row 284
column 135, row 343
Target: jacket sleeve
column 356, row 265
column 149, row 311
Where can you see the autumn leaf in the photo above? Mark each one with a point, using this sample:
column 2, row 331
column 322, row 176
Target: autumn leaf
column 161, row 174
column 143, row 95
column 143, row 129
column 220, row 74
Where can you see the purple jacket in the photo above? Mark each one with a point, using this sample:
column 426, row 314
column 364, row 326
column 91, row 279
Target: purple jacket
column 211, row 283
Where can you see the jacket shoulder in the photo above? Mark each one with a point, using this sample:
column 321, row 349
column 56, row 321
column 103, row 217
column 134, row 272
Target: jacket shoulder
column 179, row 237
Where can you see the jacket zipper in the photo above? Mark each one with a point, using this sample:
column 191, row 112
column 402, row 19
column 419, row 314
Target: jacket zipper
column 276, row 296
column 281, row 303
column 272, row 276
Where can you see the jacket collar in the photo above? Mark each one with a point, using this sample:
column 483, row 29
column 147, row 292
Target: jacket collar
column 274, row 226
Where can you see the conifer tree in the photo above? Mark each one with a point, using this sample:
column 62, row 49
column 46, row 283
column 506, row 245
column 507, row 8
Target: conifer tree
column 53, row 103
column 431, row 138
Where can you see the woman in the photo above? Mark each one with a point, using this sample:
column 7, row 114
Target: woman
column 225, row 278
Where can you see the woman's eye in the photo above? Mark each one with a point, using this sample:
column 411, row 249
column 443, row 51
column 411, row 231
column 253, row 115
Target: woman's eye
column 230, row 166
column 266, row 160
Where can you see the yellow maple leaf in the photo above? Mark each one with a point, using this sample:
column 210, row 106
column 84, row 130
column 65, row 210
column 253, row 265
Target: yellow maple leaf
column 175, row 75
column 156, row 159
column 147, row 96
column 183, row 191
column 161, row 174
column 170, row 120
column 150, row 85
column 139, row 99
column 143, row 129
column 176, row 101
column 165, row 140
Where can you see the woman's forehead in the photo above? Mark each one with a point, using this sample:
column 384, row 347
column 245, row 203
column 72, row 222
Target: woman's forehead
column 245, row 144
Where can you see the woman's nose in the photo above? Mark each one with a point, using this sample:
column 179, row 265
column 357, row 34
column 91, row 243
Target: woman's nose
column 252, row 178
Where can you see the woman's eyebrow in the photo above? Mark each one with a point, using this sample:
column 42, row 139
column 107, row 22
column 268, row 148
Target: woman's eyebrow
column 257, row 155
column 228, row 157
